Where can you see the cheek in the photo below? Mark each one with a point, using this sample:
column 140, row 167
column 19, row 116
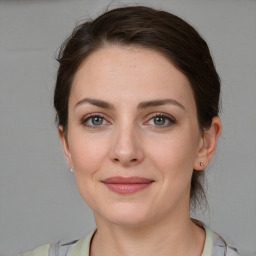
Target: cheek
column 174, row 159
column 173, row 154
column 87, row 153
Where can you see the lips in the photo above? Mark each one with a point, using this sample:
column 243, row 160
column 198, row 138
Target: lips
column 127, row 185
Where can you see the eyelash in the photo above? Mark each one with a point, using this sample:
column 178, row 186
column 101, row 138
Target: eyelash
column 90, row 116
column 169, row 118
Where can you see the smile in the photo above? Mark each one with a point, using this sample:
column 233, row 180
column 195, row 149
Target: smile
column 127, row 185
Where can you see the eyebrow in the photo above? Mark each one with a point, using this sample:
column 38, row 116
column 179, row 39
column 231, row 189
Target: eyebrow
column 98, row 103
column 155, row 103
column 142, row 105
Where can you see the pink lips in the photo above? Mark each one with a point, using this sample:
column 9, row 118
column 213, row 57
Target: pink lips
column 127, row 185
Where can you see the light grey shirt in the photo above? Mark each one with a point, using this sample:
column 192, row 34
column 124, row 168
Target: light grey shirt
column 214, row 246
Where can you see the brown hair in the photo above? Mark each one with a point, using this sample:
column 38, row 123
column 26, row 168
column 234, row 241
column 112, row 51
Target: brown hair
column 149, row 28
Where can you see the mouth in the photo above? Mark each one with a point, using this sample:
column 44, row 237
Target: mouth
column 127, row 185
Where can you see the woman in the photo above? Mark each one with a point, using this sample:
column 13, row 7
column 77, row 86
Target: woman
column 137, row 102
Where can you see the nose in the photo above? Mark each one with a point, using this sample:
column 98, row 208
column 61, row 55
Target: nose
column 126, row 147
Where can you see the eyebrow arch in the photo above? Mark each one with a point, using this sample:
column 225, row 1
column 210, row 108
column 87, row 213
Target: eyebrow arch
column 98, row 103
column 155, row 103
column 142, row 105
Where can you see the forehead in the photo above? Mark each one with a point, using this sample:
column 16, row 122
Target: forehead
column 130, row 72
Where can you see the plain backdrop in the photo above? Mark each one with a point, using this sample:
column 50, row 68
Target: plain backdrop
column 39, row 202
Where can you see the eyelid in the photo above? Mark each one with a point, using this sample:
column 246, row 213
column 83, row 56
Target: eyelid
column 85, row 118
column 161, row 114
column 149, row 117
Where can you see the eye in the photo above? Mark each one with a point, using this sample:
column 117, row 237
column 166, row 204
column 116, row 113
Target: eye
column 161, row 121
column 94, row 121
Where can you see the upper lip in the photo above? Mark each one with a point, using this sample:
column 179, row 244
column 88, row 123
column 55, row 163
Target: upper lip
column 127, row 180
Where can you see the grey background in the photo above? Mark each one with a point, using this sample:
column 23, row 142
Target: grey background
column 39, row 202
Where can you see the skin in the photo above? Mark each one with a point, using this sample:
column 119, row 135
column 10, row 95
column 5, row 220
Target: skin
column 128, row 141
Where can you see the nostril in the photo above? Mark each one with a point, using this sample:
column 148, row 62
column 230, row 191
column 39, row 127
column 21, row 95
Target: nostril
column 134, row 160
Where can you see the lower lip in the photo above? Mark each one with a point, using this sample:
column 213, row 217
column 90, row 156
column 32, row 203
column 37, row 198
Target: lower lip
column 127, row 188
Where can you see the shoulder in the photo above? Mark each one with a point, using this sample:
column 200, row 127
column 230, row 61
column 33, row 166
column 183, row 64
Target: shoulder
column 221, row 248
column 231, row 251
column 74, row 248
column 215, row 245
column 220, row 245
column 40, row 251
column 53, row 249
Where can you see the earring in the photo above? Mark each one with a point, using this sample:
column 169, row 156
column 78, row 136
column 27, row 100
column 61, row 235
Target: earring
column 71, row 170
column 201, row 164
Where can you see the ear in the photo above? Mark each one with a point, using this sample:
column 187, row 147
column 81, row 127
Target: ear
column 208, row 144
column 65, row 146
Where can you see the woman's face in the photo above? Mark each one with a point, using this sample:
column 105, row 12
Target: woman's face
column 133, row 137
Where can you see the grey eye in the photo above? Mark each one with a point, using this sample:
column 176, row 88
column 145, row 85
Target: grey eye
column 94, row 121
column 159, row 120
column 97, row 120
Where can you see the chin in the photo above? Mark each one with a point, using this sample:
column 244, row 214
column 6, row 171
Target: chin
column 132, row 221
column 125, row 216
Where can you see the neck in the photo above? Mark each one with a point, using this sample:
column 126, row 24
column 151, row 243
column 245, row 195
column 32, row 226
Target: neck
column 176, row 237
